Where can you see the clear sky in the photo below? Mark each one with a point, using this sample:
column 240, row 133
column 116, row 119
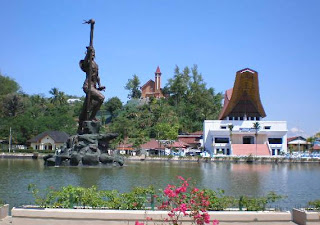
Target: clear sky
column 43, row 41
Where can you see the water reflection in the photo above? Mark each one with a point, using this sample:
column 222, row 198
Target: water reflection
column 297, row 181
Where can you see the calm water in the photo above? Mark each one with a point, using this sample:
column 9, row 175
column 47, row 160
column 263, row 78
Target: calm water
column 300, row 182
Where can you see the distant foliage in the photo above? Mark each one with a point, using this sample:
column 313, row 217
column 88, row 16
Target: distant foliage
column 188, row 103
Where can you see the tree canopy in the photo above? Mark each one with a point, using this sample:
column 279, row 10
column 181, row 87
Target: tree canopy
column 187, row 104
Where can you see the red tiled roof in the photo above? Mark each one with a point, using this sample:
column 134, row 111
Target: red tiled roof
column 189, row 140
column 152, row 144
column 179, row 144
column 158, row 70
column 316, row 147
column 295, row 138
column 291, row 138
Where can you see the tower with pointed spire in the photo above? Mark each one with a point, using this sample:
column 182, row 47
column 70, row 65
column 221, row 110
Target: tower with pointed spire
column 153, row 88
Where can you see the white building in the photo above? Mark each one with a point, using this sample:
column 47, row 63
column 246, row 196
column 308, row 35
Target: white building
column 234, row 132
column 49, row 140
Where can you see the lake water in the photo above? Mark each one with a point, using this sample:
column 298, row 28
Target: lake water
column 300, row 181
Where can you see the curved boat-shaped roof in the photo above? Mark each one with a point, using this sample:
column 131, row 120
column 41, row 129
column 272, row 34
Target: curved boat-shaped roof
column 244, row 98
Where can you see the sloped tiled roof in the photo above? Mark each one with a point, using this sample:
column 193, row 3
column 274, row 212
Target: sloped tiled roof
column 295, row 138
column 152, row 144
column 244, row 98
column 57, row 136
column 151, row 82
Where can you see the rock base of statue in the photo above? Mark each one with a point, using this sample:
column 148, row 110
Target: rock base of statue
column 89, row 149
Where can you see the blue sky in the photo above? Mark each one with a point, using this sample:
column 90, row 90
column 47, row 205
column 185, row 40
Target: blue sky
column 43, row 41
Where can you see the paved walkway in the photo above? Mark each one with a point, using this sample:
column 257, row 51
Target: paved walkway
column 5, row 221
column 8, row 220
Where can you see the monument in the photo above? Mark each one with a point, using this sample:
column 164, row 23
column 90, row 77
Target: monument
column 88, row 146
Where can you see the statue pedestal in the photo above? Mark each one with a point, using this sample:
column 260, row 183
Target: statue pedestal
column 89, row 148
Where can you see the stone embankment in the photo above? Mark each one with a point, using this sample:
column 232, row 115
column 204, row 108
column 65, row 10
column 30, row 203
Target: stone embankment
column 234, row 159
column 39, row 216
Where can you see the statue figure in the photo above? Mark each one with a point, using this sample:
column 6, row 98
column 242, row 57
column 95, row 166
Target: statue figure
column 92, row 88
column 89, row 147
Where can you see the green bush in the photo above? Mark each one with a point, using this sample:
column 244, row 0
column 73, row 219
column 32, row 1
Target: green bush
column 315, row 204
column 258, row 203
column 70, row 196
column 218, row 201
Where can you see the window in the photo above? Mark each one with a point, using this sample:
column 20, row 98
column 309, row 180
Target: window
column 275, row 140
column 273, row 152
column 223, row 127
column 267, row 127
column 221, row 140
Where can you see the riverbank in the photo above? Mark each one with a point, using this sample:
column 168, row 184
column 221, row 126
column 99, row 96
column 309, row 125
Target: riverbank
column 233, row 159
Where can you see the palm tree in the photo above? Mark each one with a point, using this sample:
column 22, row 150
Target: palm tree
column 54, row 92
column 57, row 96
column 230, row 126
column 256, row 126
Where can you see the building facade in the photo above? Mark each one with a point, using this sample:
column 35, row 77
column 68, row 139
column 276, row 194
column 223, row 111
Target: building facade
column 241, row 129
column 153, row 88
column 49, row 140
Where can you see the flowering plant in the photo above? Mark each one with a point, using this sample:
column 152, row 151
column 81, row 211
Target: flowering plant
column 183, row 200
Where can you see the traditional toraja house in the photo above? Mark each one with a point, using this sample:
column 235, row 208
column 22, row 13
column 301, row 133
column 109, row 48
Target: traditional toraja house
column 153, row 88
column 49, row 140
column 234, row 132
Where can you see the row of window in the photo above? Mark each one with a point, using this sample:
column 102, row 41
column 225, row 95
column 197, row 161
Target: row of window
column 223, row 127
column 246, row 140
column 241, row 118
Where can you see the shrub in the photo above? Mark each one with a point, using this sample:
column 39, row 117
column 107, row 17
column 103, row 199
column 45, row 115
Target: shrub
column 315, row 204
column 258, row 203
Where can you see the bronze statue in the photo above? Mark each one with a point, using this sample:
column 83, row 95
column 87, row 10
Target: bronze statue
column 89, row 147
column 91, row 85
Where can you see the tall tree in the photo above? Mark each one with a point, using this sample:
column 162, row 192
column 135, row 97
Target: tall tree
column 133, row 86
column 12, row 105
column 8, row 85
column 58, row 97
column 256, row 127
column 178, row 85
column 113, row 105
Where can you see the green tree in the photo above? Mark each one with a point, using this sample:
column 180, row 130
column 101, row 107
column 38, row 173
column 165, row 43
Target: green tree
column 8, row 85
column 166, row 131
column 230, row 126
column 113, row 105
column 256, row 127
column 58, row 97
column 12, row 105
column 178, row 85
column 133, row 86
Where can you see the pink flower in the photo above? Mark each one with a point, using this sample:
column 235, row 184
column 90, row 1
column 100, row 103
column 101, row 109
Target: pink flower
column 195, row 190
column 206, row 218
column 181, row 178
column 148, row 218
column 137, row 223
column 215, row 222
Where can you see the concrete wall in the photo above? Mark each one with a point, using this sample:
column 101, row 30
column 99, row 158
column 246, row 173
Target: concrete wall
column 303, row 217
column 114, row 217
column 4, row 211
